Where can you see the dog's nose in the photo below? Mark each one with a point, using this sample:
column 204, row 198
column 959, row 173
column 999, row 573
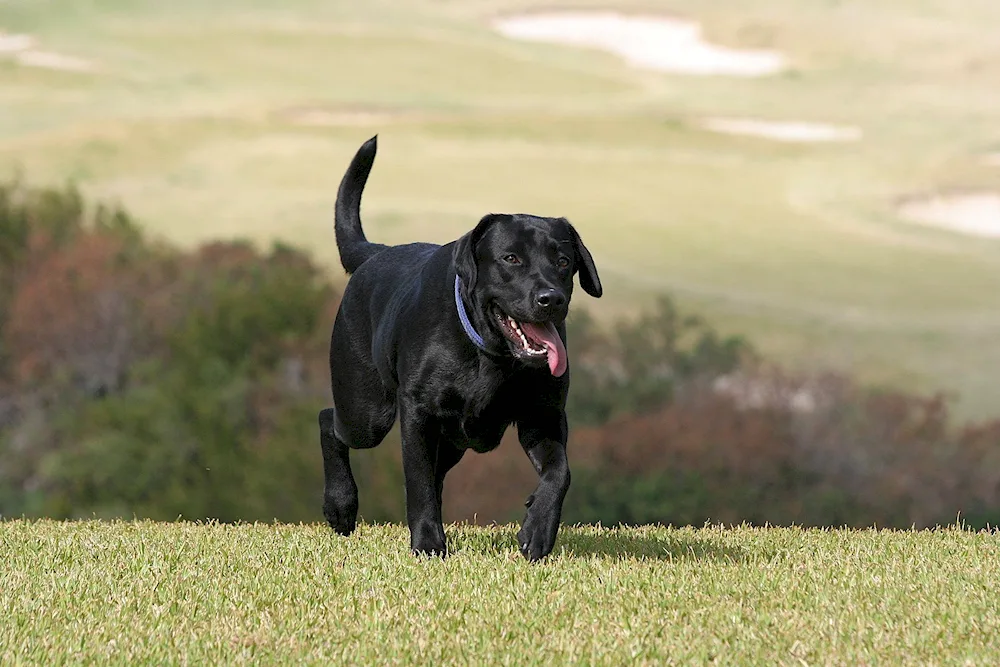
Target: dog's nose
column 550, row 298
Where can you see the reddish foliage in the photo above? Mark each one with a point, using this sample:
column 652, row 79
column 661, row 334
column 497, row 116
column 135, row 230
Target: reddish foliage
column 80, row 304
column 890, row 456
column 74, row 312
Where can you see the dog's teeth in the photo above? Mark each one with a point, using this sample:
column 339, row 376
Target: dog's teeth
column 515, row 326
column 529, row 346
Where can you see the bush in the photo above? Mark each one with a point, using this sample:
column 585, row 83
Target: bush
column 140, row 380
column 766, row 447
column 137, row 379
column 643, row 362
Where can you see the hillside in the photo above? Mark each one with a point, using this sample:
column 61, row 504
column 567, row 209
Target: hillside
column 230, row 119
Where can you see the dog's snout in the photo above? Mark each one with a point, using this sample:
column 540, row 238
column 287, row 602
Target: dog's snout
column 550, row 298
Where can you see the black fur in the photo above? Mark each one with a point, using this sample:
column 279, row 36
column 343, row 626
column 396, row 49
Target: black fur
column 398, row 349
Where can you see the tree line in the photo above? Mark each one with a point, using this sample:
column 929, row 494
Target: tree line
column 139, row 379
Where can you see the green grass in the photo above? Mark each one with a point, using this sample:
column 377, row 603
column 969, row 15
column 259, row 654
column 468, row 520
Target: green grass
column 181, row 593
column 191, row 121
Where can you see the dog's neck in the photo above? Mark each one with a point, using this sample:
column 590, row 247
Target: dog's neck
column 463, row 317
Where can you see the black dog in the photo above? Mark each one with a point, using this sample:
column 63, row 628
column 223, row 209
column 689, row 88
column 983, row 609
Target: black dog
column 461, row 340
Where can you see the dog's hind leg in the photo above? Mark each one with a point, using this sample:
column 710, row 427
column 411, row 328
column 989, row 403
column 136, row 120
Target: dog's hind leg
column 358, row 420
column 340, row 492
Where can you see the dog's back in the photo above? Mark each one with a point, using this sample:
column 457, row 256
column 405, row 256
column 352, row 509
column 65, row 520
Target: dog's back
column 379, row 290
column 384, row 284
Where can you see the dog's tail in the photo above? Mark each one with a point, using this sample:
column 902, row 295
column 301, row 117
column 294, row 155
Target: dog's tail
column 351, row 242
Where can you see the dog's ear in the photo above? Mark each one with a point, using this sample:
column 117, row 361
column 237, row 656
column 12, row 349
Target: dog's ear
column 464, row 255
column 589, row 280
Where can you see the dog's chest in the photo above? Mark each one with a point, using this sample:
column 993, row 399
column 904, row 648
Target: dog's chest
column 478, row 419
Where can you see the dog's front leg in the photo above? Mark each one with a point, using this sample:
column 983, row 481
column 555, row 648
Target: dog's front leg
column 537, row 536
column 423, row 504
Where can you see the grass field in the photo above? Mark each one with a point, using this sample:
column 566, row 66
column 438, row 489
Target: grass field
column 238, row 118
column 180, row 593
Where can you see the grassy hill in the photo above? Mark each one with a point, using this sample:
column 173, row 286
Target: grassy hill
column 181, row 593
column 238, row 118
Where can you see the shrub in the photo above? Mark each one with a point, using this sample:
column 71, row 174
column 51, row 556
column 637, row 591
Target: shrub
column 642, row 362
column 140, row 379
column 755, row 450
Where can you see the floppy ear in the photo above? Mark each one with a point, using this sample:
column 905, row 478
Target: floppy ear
column 589, row 280
column 464, row 255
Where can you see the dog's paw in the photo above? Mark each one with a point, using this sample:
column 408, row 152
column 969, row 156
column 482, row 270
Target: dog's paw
column 538, row 533
column 428, row 541
column 342, row 516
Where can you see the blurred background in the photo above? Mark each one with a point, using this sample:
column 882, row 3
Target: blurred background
column 794, row 206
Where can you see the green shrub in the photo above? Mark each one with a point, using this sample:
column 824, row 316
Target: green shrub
column 643, row 362
column 137, row 379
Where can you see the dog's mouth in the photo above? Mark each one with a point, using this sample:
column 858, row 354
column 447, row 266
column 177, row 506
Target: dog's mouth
column 533, row 343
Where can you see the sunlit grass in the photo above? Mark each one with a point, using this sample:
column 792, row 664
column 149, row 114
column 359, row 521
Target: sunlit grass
column 182, row 593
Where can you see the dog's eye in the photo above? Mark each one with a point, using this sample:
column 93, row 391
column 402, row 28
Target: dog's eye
column 563, row 262
column 512, row 259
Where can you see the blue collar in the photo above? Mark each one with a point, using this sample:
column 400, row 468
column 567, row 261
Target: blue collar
column 464, row 317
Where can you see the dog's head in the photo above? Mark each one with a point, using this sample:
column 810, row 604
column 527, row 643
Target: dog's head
column 517, row 273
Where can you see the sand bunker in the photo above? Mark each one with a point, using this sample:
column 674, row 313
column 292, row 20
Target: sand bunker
column 794, row 131
column 993, row 159
column 50, row 60
column 15, row 43
column 663, row 44
column 21, row 47
column 977, row 213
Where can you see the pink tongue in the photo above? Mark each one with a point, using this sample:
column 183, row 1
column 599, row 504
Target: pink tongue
column 548, row 336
